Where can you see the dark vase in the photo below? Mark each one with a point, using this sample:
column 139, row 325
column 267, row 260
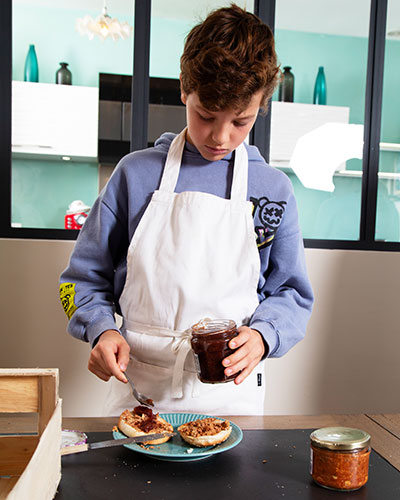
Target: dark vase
column 286, row 87
column 320, row 87
column 64, row 75
column 31, row 70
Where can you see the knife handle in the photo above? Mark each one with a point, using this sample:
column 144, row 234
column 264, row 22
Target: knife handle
column 75, row 448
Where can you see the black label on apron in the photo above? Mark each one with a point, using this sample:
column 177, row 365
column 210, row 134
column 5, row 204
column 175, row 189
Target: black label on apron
column 259, row 379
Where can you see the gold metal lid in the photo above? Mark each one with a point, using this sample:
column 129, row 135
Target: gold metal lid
column 340, row 438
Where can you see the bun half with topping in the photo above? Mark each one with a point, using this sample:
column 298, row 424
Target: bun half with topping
column 205, row 432
column 141, row 421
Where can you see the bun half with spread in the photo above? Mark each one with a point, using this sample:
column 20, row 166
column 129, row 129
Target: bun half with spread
column 205, row 432
column 141, row 421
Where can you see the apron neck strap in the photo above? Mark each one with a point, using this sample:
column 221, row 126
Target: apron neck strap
column 173, row 163
column 174, row 159
column 240, row 174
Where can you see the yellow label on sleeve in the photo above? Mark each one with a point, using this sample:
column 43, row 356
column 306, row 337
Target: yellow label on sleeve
column 67, row 294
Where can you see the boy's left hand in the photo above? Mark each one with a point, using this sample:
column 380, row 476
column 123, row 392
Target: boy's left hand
column 250, row 349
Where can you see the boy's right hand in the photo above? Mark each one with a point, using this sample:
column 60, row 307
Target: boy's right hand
column 110, row 356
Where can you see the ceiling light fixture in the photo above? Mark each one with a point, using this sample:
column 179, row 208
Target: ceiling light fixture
column 103, row 26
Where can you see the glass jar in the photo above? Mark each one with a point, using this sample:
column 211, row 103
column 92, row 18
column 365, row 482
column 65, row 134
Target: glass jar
column 209, row 340
column 340, row 457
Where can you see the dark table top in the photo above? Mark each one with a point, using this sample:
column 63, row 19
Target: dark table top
column 266, row 464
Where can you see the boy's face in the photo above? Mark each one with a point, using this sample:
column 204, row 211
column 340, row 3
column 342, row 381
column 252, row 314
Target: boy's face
column 217, row 133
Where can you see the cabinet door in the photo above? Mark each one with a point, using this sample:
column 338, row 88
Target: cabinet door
column 54, row 120
column 110, row 123
column 290, row 121
column 162, row 118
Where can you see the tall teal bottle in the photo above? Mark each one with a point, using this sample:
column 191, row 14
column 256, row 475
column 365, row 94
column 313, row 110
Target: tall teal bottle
column 320, row 87
column 31, row 71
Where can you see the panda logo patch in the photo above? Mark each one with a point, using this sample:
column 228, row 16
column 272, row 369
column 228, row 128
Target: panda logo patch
column 267, row 216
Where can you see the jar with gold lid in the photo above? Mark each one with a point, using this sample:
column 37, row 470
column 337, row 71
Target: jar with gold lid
column 340, row 457
column 209, row 340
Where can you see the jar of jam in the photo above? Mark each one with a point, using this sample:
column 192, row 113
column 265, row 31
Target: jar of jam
column 340, row 457
column 209, row 340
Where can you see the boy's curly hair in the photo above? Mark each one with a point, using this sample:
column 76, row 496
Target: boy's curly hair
column 228, row 58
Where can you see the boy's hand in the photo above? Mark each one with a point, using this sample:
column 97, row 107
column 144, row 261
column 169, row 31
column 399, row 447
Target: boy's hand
column 110, row 356
column 250, row 349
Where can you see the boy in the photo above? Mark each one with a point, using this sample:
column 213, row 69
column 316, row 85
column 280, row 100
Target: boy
column 197, row 226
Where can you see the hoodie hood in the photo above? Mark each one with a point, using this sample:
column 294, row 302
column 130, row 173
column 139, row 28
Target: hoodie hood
column 164, row 142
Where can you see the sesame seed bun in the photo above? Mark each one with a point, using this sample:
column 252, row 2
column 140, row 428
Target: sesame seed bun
column 205, row 432
column 133, row 424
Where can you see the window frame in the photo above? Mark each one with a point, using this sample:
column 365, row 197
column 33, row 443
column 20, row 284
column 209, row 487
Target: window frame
column 260, row 135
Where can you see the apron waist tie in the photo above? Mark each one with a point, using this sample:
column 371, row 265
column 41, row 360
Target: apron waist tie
column 181, row 347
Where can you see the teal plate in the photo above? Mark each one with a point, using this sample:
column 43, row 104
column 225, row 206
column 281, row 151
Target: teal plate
column 176, row 449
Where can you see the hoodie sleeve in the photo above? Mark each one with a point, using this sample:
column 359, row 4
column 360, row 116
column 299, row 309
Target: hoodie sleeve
column 285, row 292
column 87, row 284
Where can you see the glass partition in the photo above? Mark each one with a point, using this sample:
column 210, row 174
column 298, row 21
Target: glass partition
column 55, row 105
column 317, row 114
column 388, row 203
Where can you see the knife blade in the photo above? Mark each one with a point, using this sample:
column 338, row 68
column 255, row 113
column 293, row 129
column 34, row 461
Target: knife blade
column 68, row 450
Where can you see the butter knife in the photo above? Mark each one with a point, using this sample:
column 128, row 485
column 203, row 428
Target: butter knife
column 68, row 450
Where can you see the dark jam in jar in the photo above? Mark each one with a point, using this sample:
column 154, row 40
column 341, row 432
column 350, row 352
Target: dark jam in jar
column 209, row 339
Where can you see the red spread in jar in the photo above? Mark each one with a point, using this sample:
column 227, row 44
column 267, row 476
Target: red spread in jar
column 209, row 341
column 340, row 458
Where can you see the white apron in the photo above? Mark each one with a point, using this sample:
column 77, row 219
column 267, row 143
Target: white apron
column 193, row 255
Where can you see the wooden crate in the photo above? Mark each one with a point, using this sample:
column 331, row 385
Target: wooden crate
column 30, row 434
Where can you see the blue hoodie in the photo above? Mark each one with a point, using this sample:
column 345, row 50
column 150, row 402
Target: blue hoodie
column 92, row 283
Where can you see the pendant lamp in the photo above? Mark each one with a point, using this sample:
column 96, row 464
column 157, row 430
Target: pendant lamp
column 103, row 26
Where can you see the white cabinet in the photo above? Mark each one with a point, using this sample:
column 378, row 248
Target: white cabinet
column 290, row 121
column 51, row 121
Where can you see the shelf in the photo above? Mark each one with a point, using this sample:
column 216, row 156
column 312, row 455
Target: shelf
column 389, row 146
column 343, row 173
column 358, row 173
column 284, row 164
column 36, row 154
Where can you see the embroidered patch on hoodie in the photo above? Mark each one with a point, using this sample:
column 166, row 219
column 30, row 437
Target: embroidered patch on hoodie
column 267, row 216
column 67, row 294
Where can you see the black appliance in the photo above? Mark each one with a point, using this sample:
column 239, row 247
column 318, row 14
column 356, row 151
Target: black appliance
column 166, row 113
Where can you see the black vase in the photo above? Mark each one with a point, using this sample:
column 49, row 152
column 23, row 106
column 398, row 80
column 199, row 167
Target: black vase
column 286, row 87
column 64, row 75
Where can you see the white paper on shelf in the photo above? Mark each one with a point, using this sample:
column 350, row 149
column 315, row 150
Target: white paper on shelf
column 319, row 153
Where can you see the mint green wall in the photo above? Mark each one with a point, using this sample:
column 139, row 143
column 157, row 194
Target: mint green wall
column 52, row 30
column 166, row 46
column 42, row 190
column 345, row 64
